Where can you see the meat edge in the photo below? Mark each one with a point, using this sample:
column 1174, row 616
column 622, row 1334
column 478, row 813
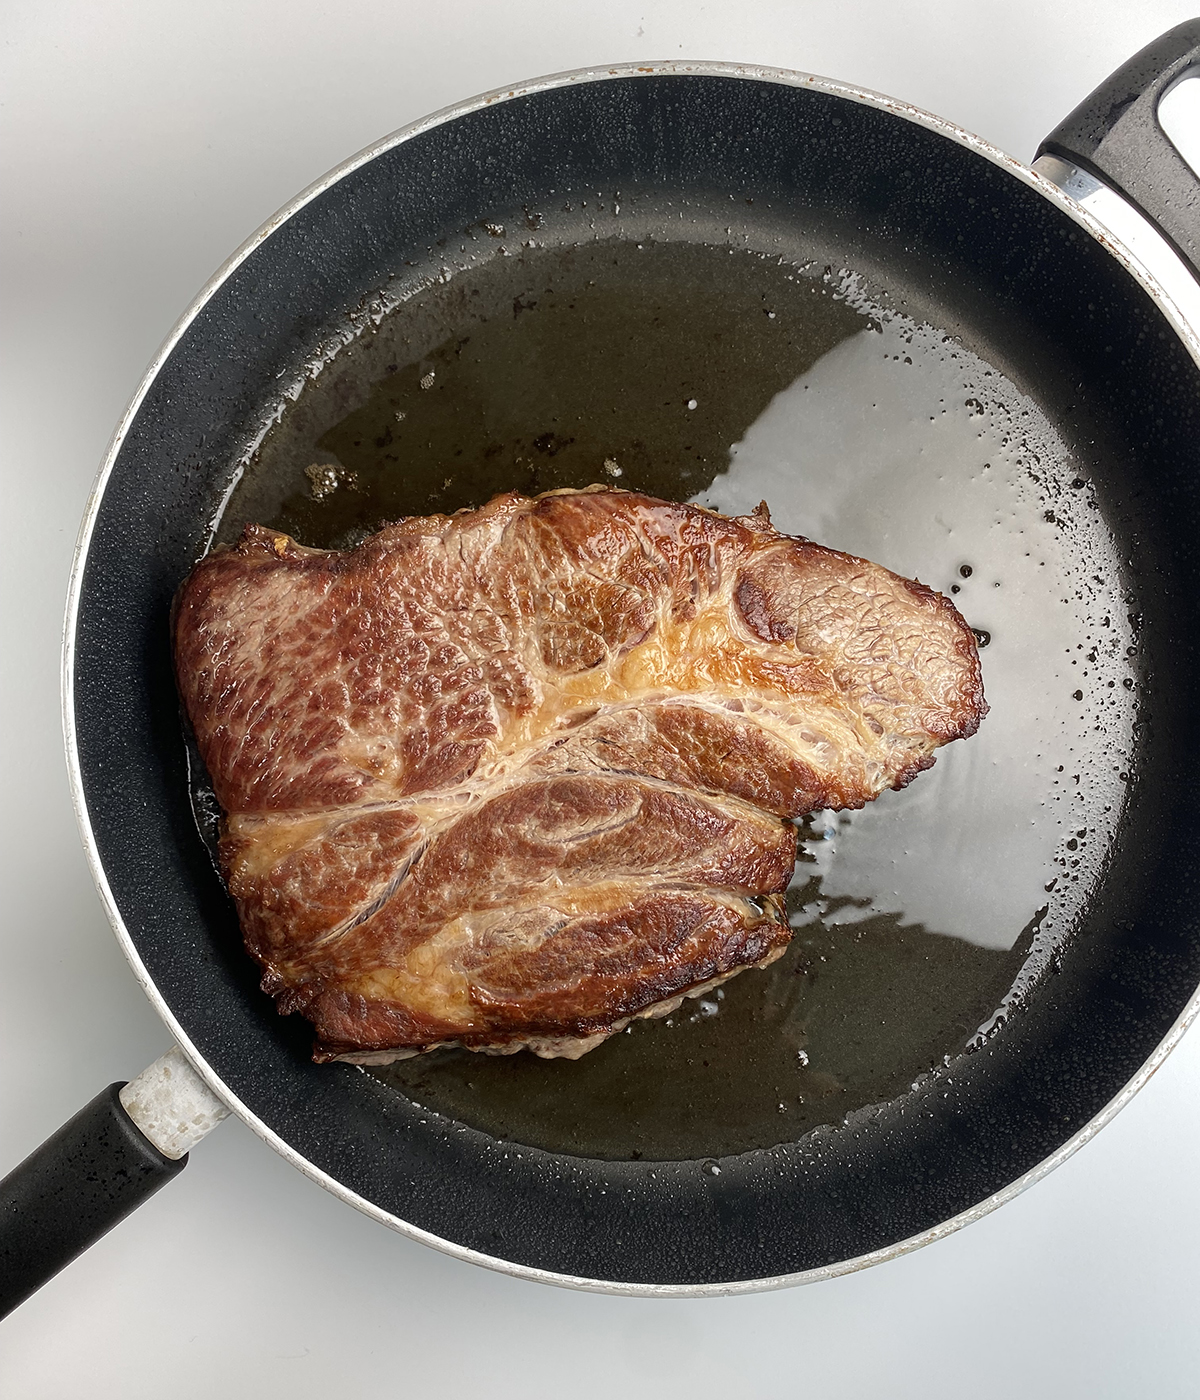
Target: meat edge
column 565, row 1047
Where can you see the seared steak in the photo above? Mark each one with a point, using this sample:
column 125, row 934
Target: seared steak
column 511, row 777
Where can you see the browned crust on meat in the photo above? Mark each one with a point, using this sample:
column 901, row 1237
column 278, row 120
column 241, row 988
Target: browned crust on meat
column 592, row 972
column 511, row 776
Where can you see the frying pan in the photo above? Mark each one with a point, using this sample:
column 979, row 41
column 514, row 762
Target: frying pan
column 995, row 257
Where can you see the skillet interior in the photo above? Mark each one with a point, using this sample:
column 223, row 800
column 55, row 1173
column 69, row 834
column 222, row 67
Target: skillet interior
column 980, row 256
column 559, row 359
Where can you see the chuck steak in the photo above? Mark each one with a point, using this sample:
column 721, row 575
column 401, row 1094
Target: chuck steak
column 511, row 777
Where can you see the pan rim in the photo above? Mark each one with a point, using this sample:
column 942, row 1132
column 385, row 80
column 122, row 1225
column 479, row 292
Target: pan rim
column 755, row 73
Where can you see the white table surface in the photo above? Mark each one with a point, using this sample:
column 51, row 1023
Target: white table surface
column 141, row 143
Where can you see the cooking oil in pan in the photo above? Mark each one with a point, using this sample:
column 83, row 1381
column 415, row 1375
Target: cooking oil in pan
column 729, row 378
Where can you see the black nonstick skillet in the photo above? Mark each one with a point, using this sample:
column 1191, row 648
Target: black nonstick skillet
column 880, row 206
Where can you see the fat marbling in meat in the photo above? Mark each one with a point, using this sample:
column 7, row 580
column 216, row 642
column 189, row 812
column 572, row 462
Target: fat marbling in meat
column 512, row 777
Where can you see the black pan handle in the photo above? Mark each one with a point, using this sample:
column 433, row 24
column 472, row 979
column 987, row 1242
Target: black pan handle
column 1115, row 134
column 82, row 1181
column 114, row 1154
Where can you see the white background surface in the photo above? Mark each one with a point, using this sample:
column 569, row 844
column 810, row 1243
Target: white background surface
column 142, row 142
